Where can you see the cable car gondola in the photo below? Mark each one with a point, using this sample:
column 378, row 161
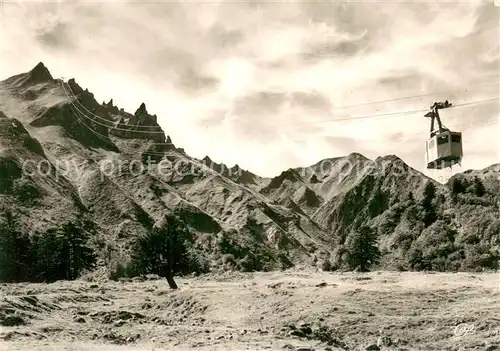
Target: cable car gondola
column 444, row 147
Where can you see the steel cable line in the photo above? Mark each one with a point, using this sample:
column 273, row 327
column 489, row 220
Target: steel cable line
column 391, row 114
column 385, row 115
column 109, row 124
column 79, row 113
column 415, row 96
column 340, row 119
column 485, row 122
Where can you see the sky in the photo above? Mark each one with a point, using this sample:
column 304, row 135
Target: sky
column 271, row 85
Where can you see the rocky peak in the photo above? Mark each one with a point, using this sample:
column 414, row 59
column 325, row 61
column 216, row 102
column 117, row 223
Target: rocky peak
column 290, row 175
column 40, row 74
column 141, row 110
column 74, row 87
column 111, row 107
column 393, row 165
column 388, row 158
column 142, row 117
column 140, row 125
column 356, row 155
column 218, row 167
column 236, row 173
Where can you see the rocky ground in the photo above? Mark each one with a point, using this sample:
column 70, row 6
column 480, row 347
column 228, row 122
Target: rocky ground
column 255, row 311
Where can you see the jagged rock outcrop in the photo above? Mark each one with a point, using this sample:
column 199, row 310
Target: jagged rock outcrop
column 140, row 125
column 289, row 175
column 235, row 173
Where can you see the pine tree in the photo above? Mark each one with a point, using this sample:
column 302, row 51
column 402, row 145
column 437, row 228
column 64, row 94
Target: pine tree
column 78, row 256
column 62, row 253
column 428, row 205
column 457, row 186
column 48, row 250
column 362, row 249
column 15, row 258
column 479, row 188
column 429, row 194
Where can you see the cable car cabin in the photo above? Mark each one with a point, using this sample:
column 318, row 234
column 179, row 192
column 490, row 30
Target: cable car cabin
column 443, row 149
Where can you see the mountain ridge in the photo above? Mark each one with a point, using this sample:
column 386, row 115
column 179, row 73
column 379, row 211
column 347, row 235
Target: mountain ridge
column 123, row 172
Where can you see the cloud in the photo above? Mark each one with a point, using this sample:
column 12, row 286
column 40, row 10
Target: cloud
column 347, row 143
column 261, row 83
column 57, row 37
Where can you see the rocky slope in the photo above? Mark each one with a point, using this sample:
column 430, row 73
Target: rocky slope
column 123, row 172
